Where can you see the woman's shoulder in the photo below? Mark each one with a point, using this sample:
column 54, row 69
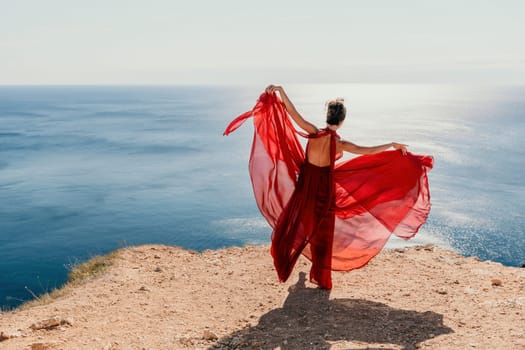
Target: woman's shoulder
column 322, row 133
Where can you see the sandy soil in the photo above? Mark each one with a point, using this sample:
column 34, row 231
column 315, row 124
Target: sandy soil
column 160, row 297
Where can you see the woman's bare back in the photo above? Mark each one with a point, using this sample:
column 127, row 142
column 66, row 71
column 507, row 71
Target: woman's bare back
column 318, row 151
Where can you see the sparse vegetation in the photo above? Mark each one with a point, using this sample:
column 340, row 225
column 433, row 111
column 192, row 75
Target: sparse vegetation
column 78, row 273
column 90, row 268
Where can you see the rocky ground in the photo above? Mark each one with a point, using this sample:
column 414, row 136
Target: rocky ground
column 161, row 297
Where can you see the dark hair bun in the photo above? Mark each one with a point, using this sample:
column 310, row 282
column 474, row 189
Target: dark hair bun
column 335, row 111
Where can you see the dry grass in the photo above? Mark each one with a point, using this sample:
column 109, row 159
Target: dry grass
column 90, row 268
column 78, row 273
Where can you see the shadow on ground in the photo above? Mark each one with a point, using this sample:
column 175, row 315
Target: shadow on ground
column 310, row 320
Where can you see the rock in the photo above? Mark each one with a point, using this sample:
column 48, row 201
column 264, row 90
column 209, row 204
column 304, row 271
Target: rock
column 143, row 289
column 46, row 324
column 441, row 291
column 158, row 269
column 41, row 346
column 208, row 335
column 428, row 247
column 49, row 323
column 111, row 346
column 4, row 335
column 496, row 282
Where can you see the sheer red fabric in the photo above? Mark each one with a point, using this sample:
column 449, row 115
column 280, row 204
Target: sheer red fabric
column 339, row 216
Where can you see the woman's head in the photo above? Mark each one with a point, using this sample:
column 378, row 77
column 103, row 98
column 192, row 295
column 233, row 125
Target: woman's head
column 335, row 111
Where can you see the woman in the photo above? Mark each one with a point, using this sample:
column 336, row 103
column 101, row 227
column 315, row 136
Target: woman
column 337, row 215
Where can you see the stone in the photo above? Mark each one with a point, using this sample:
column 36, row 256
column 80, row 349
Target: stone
column 111, row 346
column 4, row 335
column 209, row 335
column 496, row 282
column 428, row 247
column 49, row 323
column 40, row 346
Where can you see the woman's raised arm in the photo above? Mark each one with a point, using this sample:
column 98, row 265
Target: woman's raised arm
column 353, row 148
column 290, row 108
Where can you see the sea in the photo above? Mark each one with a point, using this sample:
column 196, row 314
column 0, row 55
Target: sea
column 85, row 170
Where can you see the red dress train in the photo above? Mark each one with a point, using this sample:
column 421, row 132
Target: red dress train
column 339, row 216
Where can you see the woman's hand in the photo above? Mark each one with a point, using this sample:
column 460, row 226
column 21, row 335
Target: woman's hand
column 272, row 88
column 290, row 108
column 400, row 146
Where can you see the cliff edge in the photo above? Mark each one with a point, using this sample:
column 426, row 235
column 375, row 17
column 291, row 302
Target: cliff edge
column 163, row 297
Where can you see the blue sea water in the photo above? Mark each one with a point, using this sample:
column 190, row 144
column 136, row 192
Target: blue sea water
column 87, row 169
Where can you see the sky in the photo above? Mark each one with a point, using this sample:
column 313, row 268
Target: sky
column 254, row 42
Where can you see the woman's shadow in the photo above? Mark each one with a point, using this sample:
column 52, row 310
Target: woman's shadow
column 310, row 320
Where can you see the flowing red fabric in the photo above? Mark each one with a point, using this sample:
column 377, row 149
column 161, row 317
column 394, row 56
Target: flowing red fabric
column 339, row 216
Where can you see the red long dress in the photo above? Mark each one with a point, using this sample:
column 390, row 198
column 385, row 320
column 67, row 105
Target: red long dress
column 339, row 216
